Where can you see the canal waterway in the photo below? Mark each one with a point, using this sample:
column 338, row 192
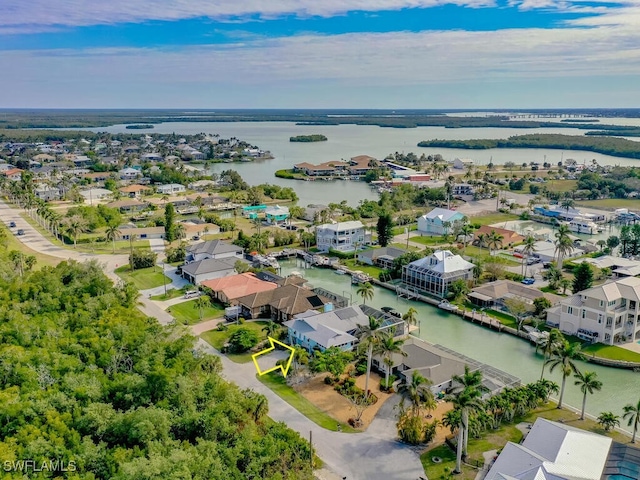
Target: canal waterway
column 501, row 350
column 346, row 141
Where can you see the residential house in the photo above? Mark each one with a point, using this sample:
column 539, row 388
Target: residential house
column 134, row 191
column 382, row 257
column 621, row 267
column 171, row 188
column 151, row 157
column 253, row 211
column 141, row 233
column 129, row 173
column 556, row 451
column 312, row 212
column 607, row 313
column 97, row 177
column 128, row 206
column 277, row 215
column 93, row 194
column 202, row 185
column 44, row 158
column 332, row 328
column 213, row 249
column 462, row 189
column 208, row 269
column 361, row 164
column 546, row 251
column 462, row 163
column 82, row 161
column 232, row 287
column 282, row 303
column 494, row 294
column 326, row 169
column 434, row 274
column 342, row 236
column 13, row 174
column 509, row 237
column 438, row 221
column 566, row 214
column 47, row 193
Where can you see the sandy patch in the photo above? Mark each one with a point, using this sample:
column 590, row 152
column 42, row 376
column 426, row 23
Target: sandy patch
column 335, row 405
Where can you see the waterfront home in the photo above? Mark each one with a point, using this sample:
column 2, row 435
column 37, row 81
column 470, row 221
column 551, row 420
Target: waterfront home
column 232, row 287
column 361, row 164
column 509, row 237
column 546, row 251
column 276, row 215
column 212, row 249
column 342, row 236
column 134, row 191
column 312, row 212
column 331, row 328
column 567, row 214
column 202, row 185
column 326, row 169
column 170, row 189
column 208, row 269
column 141, row 233
column 382, row 257
column 282, row 303
column 462, row 163
column 621, row 267
column 253, row 211
column 434, row 274
column 438, row 221
column 606, row 313
column 557, row 451
column 128, row 206
column 494, row 294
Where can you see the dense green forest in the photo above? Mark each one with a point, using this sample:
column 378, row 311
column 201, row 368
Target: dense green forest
column 308, row 138
column 88, row 381
column 617, row 147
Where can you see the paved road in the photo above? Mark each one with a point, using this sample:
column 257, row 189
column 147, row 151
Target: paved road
column 370, row 455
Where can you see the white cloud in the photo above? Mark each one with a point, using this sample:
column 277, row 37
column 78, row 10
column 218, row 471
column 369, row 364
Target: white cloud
column 28, row 15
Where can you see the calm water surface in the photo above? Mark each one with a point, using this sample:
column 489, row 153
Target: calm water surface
column 503, row 351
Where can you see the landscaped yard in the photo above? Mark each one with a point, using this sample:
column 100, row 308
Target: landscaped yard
column 143, row 278
column 276, row 382
column 611, row 352
column 492, row 218
column 187, row 312
column 122, row 246
column 172, row 293
column 217, row 338
column 368, row 269
column 12, row 243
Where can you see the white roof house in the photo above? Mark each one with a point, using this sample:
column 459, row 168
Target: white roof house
column 95, row 194
column 553, row 451
column 438, row 221
column 434, row 274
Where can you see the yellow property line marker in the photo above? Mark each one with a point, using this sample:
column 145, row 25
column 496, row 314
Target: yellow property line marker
column 284, row 369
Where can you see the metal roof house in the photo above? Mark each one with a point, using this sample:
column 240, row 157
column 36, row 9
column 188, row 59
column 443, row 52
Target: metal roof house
column 438, row 221
column 434, row 274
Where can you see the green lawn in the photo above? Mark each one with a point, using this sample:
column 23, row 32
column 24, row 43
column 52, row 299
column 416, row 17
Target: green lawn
column 427, row 240
column 12, row 243
column 611, row 352
column 492, row 218
column 143, row 278
column 187, row 313
column 502, row 317
column 561, row 185
column 217, row 339
column 368, row 269
column 276, row 382
column 611, row 203
column 403, row 246
column 173, row 293
column 122, row 246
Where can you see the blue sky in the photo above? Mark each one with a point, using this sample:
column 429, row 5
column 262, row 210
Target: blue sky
column 320, row 54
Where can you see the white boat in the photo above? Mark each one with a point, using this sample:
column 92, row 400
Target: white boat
column 445, row 305
column 582, row 225
column 340, row 272
column 359, row 277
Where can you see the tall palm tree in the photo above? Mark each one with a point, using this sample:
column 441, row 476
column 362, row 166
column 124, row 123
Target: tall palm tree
column 388, row 346
column 465, row 401
column 632, row 412
column 564, row 244
column 471, row 381
column 202, row 302
column 370, row 337
column 180, row 231
column 365, row 290
column 567, row 203
column 482, row 240
column 418, row 392
column 465, row 231
column 411, row 317
column 111, row 233
column 565, row 355
column 271, row 328
column 548, row 345
column 132, row 238
column 528, row 247
column 588, row 383
column 74, row 226
column 494, row 241
column 300, row 357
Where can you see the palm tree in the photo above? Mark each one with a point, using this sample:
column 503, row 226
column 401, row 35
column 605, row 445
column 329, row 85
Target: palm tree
column 271, row 328
column 567, row 203
column 388, row 346
column 564, row 244
column 608, row 420
column 365, row 290
column 202, row 302
column 565, row 356
column 74, row 226
column 300, row 357
column 588, row 383
column 370, row 338
column 632, row 412
column 482, row 240
column 465, row 231
column 132, row 238
column 548, row 345
column 478, row 270
column 564, row 284
column 180, row 231
column 528, row 248
column 411, row 317
column 418, row 392
column 494, row 241
column 471, row 381
column 112, row 232
column 465, row 401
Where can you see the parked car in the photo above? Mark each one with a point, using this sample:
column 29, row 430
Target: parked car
column 191, row 294
column 528, row 281
column 533, row 260
column 291, row 227
column 20, row 232
column 12, row 224
column 195, row 237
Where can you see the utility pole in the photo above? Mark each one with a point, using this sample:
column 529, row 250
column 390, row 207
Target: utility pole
column 311, row 448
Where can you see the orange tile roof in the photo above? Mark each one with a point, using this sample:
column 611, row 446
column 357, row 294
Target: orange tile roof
column 509, row 235
column 12, row 171
column 133, row 188
column 236, row 286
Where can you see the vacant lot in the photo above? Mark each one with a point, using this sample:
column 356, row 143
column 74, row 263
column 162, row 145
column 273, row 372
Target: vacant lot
column 187, row 312
column 143, row 278
column 217, row 338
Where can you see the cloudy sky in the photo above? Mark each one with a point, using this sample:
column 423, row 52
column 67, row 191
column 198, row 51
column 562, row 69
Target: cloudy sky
column 319, row 53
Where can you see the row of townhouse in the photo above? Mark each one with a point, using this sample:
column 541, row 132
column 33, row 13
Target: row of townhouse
column 357, row 166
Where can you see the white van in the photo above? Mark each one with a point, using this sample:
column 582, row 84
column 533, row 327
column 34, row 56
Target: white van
column 191, row 294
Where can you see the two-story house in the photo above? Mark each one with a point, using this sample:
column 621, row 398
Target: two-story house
column 434, row 274
column 605, row 314
column 439, row 221
column 342, row 236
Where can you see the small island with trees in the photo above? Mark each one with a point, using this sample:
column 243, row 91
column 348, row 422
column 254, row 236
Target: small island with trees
column 138, row 127
column 308, row 138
